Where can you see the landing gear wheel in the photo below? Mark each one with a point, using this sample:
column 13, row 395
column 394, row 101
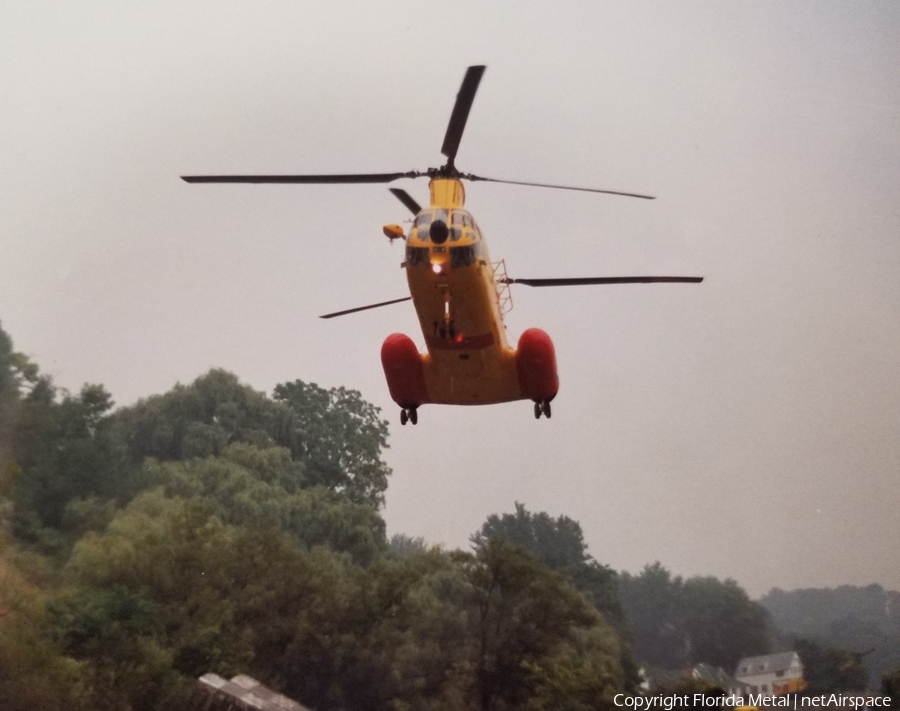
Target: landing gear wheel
column 413, row 415
column 545, row 408
column 404, row 417
column 537, row 410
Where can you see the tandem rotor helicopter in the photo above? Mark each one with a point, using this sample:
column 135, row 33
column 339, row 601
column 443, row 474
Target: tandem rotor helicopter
column 459, row 294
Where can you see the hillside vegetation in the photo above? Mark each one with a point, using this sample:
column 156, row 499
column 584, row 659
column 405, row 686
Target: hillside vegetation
column 214, row 528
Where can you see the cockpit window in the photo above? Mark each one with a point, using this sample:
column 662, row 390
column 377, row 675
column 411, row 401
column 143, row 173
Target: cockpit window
column 423, row 221
column 463, row 256
column 459, row 220
column 417, row 256
column 462, row 218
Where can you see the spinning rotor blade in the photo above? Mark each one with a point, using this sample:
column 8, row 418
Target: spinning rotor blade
column 340, row 178
column 474, row 178
column 584, row 281
column 461, row 109
column 366, row 308
column 407, row 200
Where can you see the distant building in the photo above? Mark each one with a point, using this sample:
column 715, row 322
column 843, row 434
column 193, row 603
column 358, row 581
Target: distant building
column 771, row 674
column 243, row 693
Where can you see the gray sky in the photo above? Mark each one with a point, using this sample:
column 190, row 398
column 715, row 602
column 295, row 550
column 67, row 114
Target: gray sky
column 747, row 427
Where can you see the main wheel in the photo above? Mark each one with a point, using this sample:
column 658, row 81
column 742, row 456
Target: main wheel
column 537, row 410
column 404, row 417
column 413, row 415
column 545, row 408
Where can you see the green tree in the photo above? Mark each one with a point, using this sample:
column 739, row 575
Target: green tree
column 199, row 420
column 862, row 619
column 33, row 672
column 249, row 486
column 722, row 624
column 654, row 608
column 559, row 543
column 534, row 630
column 65, row 451
column 829, row 669
column 335, row 434
column 677, row 623
column 339, row 436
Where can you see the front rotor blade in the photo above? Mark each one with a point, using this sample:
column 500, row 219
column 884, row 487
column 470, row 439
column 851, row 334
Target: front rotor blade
column 461, row 109
column 407, row 200
column 365, row 308
column 322, row 179
column 469, row 176
column 584, row 281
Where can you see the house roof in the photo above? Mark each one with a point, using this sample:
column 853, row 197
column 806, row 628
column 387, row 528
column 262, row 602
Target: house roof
column 780, row 661
column 245, row 693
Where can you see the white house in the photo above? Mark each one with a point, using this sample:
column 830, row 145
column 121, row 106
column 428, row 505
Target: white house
column 771, row 674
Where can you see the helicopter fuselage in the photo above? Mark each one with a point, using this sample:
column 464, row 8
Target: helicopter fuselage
column 459, row 303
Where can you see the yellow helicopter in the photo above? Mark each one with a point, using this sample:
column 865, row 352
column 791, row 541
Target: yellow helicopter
column 459, row 294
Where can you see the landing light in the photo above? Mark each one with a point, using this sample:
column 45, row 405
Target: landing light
column 437, row 268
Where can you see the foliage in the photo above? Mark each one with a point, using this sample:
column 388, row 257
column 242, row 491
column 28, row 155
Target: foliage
column 33, row 673
column 864, row 620
column 654, row 608
column 65, row 451
column 249, row 486
column 828, row 669
column 722, row 623
column 890, row 686
column 169, row 592
column 539, row 640
column 339, row 436
column 559, row 544
column 215, row 529
column 678, row 623
column 335, row 434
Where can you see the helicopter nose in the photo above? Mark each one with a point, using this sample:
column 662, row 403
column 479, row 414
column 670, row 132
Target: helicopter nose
column 438, row 232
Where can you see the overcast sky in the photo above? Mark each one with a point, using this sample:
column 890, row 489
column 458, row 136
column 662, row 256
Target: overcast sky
column 748, row 427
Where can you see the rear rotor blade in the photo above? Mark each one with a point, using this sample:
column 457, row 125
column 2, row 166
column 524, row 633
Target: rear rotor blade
column 469, row 176
column 584, row 281
column 407, row 200
column 461, row 109
column 322, row 179
column 366, row 308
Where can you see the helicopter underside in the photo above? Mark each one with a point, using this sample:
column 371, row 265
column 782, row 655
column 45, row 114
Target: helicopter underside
column 482, row 376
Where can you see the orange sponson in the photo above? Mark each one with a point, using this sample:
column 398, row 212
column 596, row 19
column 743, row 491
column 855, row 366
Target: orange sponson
column 402, row 365
column 536, row 365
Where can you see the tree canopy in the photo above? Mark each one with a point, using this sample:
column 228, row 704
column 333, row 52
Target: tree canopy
column 215, row 528
column 677, row 623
